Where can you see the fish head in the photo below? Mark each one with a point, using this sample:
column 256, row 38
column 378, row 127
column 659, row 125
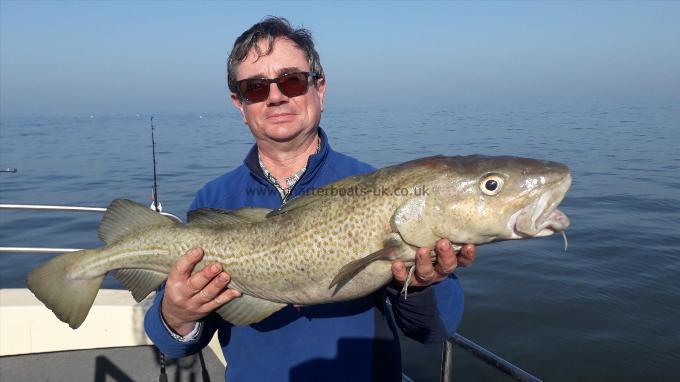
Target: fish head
column 500, row 198
column 478, row 199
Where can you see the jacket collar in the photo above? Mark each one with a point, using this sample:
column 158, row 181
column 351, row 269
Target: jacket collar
column 314, row 163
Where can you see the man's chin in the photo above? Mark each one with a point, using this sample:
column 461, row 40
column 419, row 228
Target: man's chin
column 284, row 134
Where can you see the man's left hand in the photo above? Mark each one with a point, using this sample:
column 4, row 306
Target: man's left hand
column 426, row 272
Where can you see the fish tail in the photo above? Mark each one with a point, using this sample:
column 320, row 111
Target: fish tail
column 69, row 297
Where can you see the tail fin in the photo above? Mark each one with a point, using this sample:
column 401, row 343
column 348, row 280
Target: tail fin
column 69, row 298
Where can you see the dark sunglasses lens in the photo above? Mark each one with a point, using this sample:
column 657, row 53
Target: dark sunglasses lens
column 293, row 85
column 257, row 90
column 254, row 90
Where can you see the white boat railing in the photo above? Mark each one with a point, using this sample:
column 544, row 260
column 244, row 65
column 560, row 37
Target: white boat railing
column 45, row 207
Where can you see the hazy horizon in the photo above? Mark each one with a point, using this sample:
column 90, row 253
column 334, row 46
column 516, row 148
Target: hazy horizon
column 157, row 57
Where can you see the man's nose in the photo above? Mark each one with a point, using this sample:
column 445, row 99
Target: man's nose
column 275, row 95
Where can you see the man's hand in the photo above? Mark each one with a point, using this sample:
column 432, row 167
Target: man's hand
column 188, row 298
column 427, row 273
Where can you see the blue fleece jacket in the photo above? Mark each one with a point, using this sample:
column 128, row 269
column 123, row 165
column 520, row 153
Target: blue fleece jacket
column 349, row 341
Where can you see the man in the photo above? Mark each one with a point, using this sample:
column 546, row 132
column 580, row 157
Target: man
column 278, row 85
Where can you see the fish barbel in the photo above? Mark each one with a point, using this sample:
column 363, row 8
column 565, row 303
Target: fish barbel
column 335, row 243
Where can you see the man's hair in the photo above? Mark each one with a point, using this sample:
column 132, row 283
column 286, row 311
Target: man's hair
column 269, row 29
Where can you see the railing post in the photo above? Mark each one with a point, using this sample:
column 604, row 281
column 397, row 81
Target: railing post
column 447, row 361
column 491, row 358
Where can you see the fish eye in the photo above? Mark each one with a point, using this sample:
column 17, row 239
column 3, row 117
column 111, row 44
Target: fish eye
column 491, row 184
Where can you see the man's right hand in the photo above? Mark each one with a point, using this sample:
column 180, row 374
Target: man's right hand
column 188, row 298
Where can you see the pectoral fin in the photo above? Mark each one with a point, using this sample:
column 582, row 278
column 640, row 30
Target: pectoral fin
column 351, row 269
column 247, row 310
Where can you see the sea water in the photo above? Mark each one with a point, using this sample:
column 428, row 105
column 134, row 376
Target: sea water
column 608, row 309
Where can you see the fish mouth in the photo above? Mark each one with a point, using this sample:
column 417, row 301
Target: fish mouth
column 541, row 217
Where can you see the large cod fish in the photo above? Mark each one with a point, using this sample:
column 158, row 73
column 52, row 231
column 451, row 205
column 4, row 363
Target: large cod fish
column 333, row 244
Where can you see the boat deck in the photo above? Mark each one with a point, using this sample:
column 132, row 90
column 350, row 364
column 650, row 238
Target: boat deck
column 122, row 364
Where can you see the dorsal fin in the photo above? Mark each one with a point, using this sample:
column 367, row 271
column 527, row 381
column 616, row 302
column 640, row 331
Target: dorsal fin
column 294, row 204
column 216, row 216
column 125, row 216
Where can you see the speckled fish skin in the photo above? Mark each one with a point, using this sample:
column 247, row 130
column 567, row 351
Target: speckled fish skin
column 292, row 255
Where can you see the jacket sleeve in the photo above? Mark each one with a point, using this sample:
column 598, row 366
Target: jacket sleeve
column 430, row 314
column 161, row 337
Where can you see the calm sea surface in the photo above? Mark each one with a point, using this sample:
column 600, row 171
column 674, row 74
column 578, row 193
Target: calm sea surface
column 606, row 310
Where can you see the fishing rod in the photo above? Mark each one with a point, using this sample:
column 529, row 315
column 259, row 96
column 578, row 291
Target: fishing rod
column 156, row 205
column 162, row 377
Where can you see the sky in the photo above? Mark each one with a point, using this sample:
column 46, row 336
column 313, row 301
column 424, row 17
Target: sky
column 70, row 57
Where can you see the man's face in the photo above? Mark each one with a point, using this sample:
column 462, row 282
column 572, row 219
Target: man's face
column 280, row 118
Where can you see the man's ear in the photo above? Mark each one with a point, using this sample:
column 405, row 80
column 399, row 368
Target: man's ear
column 239, row 105
column 321, row 90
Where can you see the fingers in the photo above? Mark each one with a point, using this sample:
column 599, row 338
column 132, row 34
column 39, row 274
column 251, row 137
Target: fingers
column 204, row 285
column 467, row 255
column 185, row 264
column 203, row 278
column 225, row 296
column 214, row 293
column 447, row 262
column 399, row 271
column 190, row 297
column 425, row 272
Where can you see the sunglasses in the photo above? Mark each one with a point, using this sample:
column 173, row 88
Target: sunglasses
column 255, row 90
